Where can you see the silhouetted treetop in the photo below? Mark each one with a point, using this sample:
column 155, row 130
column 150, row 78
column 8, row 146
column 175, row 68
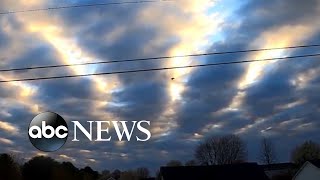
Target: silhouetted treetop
column 9, row 169
column 221, row 150
column 307, row 151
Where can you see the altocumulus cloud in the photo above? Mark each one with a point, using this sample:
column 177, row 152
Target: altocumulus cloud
column 278, row 99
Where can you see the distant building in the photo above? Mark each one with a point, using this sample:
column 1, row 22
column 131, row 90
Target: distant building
column 273, row 170
column 309, row 171
column 245, row 171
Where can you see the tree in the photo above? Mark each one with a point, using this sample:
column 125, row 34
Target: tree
column 116, row 174
column 128, row 175
column 227, row 149
column 174, row 163
column 88, row 174
column 267, row 152
column 66, row 171
column 9, row 168
column 158, row 175
column 191, row 163
column 307, row 151
column 105, row 174
column 39, row 168
column 142, row 173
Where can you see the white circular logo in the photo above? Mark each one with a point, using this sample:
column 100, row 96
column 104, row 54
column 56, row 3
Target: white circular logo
column 48, row 131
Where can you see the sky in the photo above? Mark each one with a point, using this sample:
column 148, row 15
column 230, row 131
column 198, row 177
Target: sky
column 278, row 100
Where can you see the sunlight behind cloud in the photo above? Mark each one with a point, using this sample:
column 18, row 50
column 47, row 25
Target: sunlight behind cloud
column 193, row 34
column 275, row 38
column 72, row 54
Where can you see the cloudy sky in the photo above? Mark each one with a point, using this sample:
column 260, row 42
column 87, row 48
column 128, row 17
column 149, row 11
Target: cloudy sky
column 279, row 100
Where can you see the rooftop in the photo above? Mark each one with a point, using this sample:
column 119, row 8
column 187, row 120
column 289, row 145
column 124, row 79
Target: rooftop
column 247, row 171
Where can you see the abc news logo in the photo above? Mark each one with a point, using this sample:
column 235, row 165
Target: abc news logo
column 48, row 131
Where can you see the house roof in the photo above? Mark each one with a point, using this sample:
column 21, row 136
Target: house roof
column 111, row 178
column 316, row 163
column 313, row 162
column 248, row 171
column 279, row 166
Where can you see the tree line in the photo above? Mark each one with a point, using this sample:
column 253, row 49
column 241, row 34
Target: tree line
column 213, row 150
column 231, row 149
column 42, row 167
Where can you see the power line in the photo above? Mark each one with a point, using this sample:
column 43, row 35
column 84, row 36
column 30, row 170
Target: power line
column 160, row 69
column 157, row 58
column 82, row 6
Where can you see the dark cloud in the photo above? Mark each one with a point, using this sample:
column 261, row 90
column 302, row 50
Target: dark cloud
column 3, row 38
column 279, row 87
column 7, row 91
column 79, row 88
column 209, row 90
column 40, row 55
column 260, row 16
column 274, row 89
column 141, row 101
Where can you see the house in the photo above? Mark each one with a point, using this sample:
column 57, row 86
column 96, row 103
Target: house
column 309, row 171
column 245, row 171
column 273, row 170
column 106, row 178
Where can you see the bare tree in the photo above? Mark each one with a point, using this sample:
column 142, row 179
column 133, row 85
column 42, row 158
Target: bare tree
column 206, row 152
column 267, row 152
column 221, row 150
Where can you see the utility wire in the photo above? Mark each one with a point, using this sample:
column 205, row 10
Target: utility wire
column 82, row 6
column 160, row 69
column 157, row 58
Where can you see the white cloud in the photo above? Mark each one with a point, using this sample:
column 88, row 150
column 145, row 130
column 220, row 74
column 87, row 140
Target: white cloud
column 8, row 127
